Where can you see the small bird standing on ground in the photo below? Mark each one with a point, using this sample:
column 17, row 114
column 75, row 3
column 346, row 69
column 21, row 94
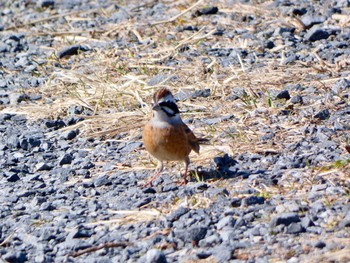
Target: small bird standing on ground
column 165, row 136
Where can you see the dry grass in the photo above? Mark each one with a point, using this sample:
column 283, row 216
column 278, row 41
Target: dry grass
column 114, row 82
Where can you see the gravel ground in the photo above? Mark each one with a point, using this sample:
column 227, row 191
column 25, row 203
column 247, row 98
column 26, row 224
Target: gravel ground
column 69, row 197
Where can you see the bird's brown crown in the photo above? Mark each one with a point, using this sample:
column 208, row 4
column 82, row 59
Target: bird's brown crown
column 161, row 94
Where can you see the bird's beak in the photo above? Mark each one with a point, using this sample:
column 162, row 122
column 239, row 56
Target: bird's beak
column 156, row 107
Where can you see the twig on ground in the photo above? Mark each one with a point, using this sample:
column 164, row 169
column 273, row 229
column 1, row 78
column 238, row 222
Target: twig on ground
column 99, row 247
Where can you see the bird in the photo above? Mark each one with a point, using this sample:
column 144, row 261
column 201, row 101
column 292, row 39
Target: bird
column 166, row 137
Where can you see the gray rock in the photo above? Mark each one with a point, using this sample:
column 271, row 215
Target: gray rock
column 341, row 85
column 102, row 180
column 153, row 256
column 284, row 219
column 223, row 253
column 209, row 241
column 296, row 99
column 193, row 234
column 252, row 200
column 315, row 34
column 159, row 78
column 345, row 222
column 177, row 214
column 227, row 221
column 310, row 21
column 143, row 202
column 43, row 166
column 295, row 228
column 306, row 222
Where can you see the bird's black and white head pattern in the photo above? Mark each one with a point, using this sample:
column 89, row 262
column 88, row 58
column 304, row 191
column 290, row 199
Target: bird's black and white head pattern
column 169, row 107
column 165, row 106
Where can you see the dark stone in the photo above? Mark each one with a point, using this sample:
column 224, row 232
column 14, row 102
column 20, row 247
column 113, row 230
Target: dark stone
column 197, row 233
column 323, row 114
column 252, row 200
column 299, row 11
column 206, row 11
column 284, row 94
column 143, row 202
column 70, row 135
column 15, row 257
column 203, row 254
column 23, row 143
column 225, row 161
column 183, row 49
column 284, row 219
column 320, row 244
column 45, row 3
column 72, row 50
column 13, row 178
column 236, row 202
column 219, row 32
column 66, row 159
column 149, row 190
column 178, row 213
column 269, row 44
column 315, row 34
column 189, row 28
column 81, row 233
column 57, row 124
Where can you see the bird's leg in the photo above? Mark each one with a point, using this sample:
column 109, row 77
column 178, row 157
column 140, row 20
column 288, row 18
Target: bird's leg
column 187, row 163
column 159, row 170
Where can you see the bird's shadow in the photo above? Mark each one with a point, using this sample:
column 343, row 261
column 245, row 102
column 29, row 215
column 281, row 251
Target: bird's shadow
column 225, row 167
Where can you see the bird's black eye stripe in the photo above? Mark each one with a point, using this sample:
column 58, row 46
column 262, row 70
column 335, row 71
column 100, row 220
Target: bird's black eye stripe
column 170, row 105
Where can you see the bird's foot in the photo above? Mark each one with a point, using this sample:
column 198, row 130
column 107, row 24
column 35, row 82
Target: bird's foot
column 150, row 181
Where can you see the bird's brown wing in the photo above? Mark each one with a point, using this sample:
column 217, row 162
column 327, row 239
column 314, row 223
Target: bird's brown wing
column 192, row 139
